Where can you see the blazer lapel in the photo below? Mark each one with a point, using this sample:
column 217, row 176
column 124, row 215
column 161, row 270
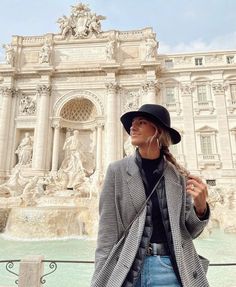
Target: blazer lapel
column 173, row 194
column 135, row 184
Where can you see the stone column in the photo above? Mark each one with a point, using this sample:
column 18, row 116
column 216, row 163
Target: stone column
column 111, row 123
column 41, row 132
column 7, row 94
column 224, row 136
column 189, row 126
column 55, row 151
column 99, row 149
column 149, row 92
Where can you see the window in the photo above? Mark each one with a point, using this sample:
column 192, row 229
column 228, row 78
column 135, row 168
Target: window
column 233, row 93
column 170, row 95
column 211, row 182
column 198, row 61
column 169, row 64
column 202, row 93
column 206, row 144
column 230, row 59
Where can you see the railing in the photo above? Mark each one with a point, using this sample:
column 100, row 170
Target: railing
column 54, row 263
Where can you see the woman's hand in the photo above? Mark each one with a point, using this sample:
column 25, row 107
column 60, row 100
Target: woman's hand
column 198, row 191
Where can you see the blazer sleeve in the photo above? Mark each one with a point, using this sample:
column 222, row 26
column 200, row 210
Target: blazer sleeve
column 193, row 223
column 107, row 228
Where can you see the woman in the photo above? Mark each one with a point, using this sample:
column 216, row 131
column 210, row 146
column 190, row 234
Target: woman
column 157, row 250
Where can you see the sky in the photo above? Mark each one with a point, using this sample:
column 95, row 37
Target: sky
column 180, row 25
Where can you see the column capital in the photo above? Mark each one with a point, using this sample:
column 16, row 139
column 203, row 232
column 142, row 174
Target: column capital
column 112, row 86
column 187, row 89
column 150, row 85
column 56, row 125
column 43, row 90
column 7, row 92
column 100, row 125
column 218, row 88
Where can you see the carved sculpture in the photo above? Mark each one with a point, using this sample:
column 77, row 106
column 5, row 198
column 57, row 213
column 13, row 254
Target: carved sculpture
column 45, row 53
column 151, row 46
column 81, row 23
column 25, row 150
column 71, row 167
column 10, row 54
column 110, row 50
column 27, row 105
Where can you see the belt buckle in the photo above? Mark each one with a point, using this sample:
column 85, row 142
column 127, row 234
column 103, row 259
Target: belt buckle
column 149, row 250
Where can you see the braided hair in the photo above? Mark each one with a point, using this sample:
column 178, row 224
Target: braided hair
column 163, row 143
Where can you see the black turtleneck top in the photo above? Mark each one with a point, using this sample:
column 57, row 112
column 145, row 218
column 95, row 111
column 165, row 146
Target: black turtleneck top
column 152, row 174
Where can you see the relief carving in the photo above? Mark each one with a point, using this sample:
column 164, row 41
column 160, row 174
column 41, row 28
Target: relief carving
column 27, row 106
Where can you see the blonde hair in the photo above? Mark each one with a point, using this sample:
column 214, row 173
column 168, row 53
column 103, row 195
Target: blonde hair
column 163, row 143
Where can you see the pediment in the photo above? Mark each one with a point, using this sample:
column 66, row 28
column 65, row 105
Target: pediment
column 206, row 129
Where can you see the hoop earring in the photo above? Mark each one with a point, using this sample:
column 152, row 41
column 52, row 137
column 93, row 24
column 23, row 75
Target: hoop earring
column 159, row 145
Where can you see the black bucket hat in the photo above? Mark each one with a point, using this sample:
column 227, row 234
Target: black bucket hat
column 157, row 114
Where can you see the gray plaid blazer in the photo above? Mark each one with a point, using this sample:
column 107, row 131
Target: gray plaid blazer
column 121, row 198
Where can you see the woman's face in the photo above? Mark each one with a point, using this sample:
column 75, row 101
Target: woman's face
column 141, row 131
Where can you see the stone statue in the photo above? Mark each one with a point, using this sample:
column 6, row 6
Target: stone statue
column 14, row 185
column 81, row 23
column 25, row 150
column 110, row 50
column 65, row 26
column 128, row 147
column 29, row 194
column 151, row 46
column 94, row 24
column 45, row 53
column 10, row 54
column 72, row 163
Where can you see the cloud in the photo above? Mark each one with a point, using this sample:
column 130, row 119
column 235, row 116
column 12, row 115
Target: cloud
column 224, row 42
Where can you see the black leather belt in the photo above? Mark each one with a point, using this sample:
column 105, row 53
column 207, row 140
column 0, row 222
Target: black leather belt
column 157, row 249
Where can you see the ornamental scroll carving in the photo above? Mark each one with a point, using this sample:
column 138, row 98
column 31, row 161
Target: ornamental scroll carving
column 218, row 88
column 186, row 89
column 150, row 86
column 112, row 87
column 43, row 90
column 7, row 92
column 82, row 23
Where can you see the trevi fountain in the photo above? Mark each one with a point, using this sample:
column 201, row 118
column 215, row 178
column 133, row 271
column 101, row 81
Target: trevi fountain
column 61, row 99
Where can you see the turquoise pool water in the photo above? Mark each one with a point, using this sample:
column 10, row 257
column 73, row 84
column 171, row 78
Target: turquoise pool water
column 219, row 248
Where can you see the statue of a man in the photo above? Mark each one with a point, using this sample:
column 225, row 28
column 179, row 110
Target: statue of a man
column 110, row 50
column 72, row 163
column 25, row 150
column 10, row 54
column 45, row 53
column 151, row 46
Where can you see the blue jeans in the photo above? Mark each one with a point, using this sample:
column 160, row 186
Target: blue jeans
column 157, row 271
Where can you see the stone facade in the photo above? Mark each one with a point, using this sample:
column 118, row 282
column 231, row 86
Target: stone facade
column 84, row 79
